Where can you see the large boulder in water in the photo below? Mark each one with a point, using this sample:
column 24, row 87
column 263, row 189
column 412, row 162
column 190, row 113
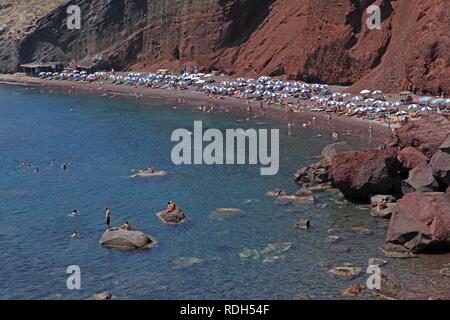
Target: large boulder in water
column 420, row 179
column 332, row 149
column 313, row 174
column 126, row 239
column 426, row 134
column 359, row 174
column 175, row 217
column 420, row 223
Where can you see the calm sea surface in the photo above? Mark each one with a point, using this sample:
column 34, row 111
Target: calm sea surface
column 103, row 140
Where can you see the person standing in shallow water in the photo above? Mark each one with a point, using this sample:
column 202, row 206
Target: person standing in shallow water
column 108, row 218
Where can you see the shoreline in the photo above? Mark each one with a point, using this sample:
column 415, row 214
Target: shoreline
column 340, row 124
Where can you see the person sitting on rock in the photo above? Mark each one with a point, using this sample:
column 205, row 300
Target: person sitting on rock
column 126, row 226
column 151, row 169
column 382, row 204
column 171, row 206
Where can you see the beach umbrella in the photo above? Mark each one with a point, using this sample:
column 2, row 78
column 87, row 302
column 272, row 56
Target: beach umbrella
column 377, row 92
column 396, row 104
column 386, row 104
column 336, row 94
column 350, row 105
column 357, row 98
column 426, row 108
column 345, row 95
column 332, row 103
column 369, row 100
column 381, row 109
column 401, row 113
column 365, row 91
column 437, row 101
column 413, row 106
column 424, row 99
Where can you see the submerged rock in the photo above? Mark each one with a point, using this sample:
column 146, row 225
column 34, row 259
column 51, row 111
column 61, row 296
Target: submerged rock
column 346, row 272
column 313, row 174
column 105, row 295
column 187, row 261
column 281, row 246
column 377, row 262
column 147, row 174
column 175, row 217
column 361, row 230
column 125, row 239
column 333, row 239
column 224, row 213
column 332, row 149
column 354, row 291
column 303, row 224
column 250, row 253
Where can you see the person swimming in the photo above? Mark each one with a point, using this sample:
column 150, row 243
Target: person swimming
column 74, row 234
column 64, row 165
column 75, row 212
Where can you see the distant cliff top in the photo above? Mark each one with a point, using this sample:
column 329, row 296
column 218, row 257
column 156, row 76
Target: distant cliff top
column 325, row 41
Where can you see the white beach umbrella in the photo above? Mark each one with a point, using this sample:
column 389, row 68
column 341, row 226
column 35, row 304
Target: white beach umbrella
column 357, row 98
column 413, row 106
column 377, row 92
column 365, row 91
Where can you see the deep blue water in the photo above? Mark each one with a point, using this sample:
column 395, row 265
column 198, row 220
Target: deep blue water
column 103, row 139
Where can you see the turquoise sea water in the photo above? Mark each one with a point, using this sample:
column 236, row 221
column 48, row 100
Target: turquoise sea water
column 103, row 139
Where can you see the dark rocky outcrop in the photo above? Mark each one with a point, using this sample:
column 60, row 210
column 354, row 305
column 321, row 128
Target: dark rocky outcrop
column 313, row 174
column 127, row 240
column 420, row 223
column 175, row 217
column 440, row 164
column 420, row 179
column 358, row 174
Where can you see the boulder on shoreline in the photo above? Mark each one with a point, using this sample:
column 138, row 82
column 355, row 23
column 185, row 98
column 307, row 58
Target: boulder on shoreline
column 420, row 179
column 332, row 149
column 175, row 217
column 126, row 239
column 410, row 158
column 358, row 174
column 440, row 164
column 420, row 223
column 313, row 174
column 427, row 134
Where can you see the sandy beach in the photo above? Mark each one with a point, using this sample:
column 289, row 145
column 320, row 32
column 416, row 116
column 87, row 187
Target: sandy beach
column 340, row 124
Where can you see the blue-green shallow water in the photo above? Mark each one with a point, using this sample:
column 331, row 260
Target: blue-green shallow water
column 103, row 140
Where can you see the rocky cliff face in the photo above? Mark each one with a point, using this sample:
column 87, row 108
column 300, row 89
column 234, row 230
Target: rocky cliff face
column 314, row 40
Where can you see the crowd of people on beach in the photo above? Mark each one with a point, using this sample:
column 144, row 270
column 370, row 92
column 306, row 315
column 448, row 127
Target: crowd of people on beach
column 292, row 96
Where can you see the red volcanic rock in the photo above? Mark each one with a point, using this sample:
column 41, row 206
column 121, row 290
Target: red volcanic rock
column 359, row 174
column 420, row 223
column 440, row 163
column 427, row 134
column 420, row 179
column 313, row 40
column 410, row 157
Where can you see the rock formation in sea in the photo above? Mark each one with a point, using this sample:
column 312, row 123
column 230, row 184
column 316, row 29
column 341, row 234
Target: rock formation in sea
column 126, row 240
column 413, row 167
column 312, row 40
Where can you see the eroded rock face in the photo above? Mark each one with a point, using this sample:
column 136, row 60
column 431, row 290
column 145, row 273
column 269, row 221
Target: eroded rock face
column 427, row 134
column 420, row 223
column 126, row 240
column 249, row 37
column 359, row 174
